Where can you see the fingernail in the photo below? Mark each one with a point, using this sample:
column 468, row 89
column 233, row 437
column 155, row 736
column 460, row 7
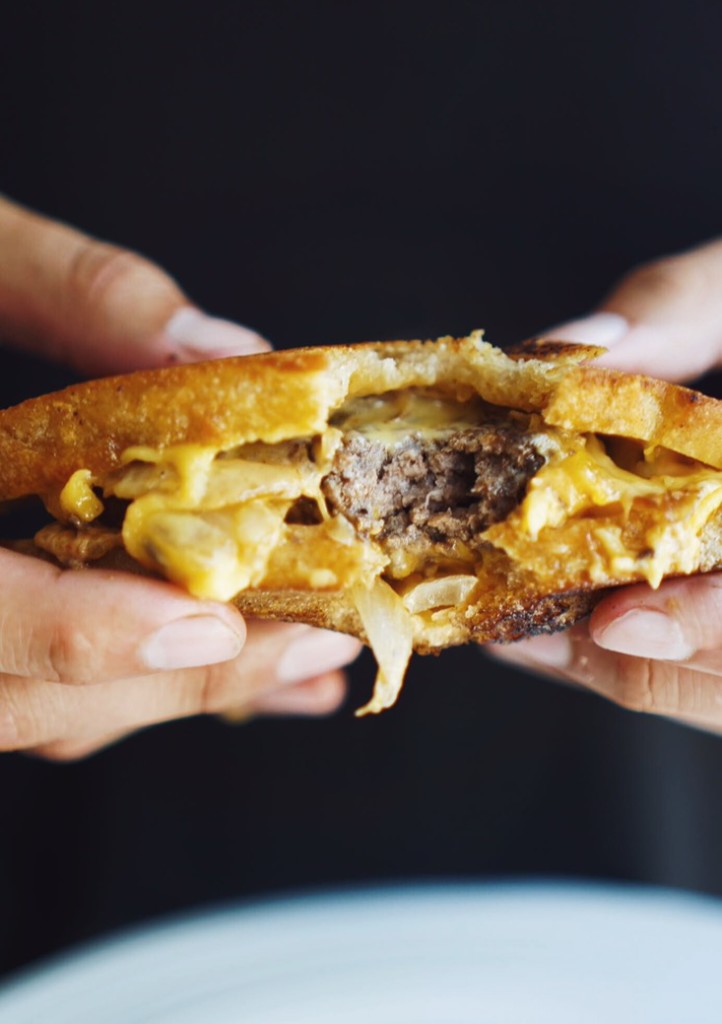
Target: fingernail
column 187, row 643
column 195, row 335
column 597, row 329
column 551, row 649
column 314, row 653
column 645, row 633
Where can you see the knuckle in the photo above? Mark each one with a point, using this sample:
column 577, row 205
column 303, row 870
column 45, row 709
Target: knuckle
column 219, row 689
column 69, row 654
column 632, row 697
column 100, row 272
column 648, row 686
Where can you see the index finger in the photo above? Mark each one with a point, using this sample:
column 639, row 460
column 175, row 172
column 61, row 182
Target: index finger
column 99, row 307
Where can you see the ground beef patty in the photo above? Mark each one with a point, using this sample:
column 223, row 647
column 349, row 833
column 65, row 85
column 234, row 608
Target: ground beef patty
column 444, row 489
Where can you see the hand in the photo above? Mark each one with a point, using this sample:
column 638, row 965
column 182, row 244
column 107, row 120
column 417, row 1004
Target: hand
column 651, row 650
column 88, row 657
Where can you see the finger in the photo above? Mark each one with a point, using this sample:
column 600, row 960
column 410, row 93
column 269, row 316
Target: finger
column 97, row 307
column 314, row 698
column 276, row 656
column 667, row 688
column 320, row 696
column 297, row 670
column 664, row 319
column 40, row 715
column 681, row 622
column 86, row 627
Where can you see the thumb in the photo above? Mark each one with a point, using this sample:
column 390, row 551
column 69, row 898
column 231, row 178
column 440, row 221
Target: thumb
column 98, row 307
column 664, row 319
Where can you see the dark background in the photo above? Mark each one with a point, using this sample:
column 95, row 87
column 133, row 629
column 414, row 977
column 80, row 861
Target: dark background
column 333, row 172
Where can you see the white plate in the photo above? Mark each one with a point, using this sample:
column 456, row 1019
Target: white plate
column 508, row 954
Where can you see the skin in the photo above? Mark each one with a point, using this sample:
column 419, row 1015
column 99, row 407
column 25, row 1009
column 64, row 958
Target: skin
column 72, row 679
column 657, row 651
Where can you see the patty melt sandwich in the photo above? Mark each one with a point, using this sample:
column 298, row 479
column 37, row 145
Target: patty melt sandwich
column 415, row 494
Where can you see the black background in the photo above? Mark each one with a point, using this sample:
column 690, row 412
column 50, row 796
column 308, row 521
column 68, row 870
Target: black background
column 333, row 172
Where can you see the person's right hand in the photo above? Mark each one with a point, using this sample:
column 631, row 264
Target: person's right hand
column 86, row 657
column 658, row 651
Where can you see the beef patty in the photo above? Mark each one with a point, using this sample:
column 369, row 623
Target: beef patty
column 439, row 489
